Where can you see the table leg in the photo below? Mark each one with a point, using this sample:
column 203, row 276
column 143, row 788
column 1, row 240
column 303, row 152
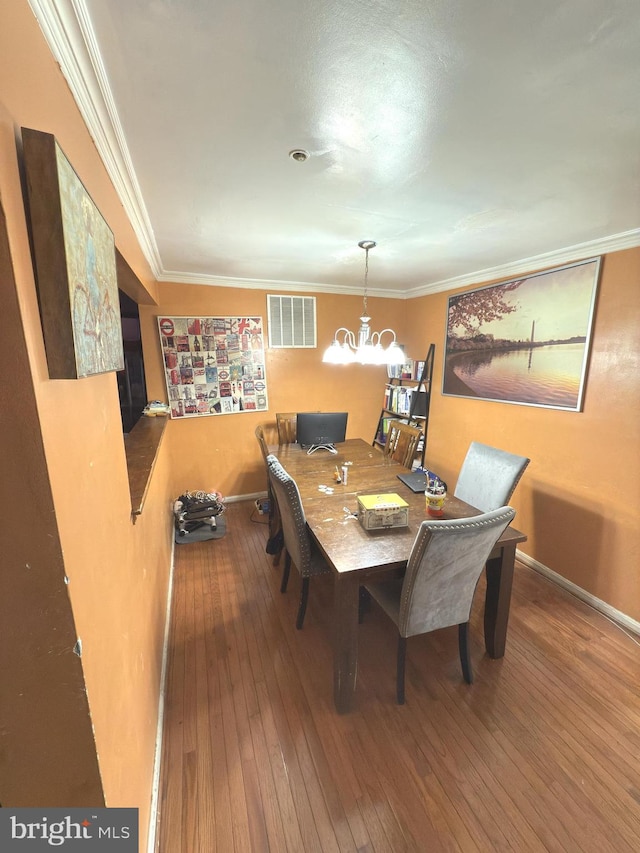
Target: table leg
column 499, row 570
column 345, row 648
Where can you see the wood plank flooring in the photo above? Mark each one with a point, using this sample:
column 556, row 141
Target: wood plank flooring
column 541, row 753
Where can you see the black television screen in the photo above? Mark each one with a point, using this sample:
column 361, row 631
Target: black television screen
column 321, row 429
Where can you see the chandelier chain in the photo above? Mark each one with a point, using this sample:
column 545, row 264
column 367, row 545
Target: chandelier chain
column 366, row 278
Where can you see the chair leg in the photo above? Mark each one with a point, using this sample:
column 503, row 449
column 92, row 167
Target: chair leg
column 285, row 572
column 275, row 528
column 465, row 652
column 304, row 595
column 402, row 654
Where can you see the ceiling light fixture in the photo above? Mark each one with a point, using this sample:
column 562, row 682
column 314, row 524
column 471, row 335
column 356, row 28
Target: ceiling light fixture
column 299, row 155
column 367, row 348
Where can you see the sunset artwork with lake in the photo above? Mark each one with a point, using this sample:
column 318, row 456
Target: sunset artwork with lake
column 524, row 341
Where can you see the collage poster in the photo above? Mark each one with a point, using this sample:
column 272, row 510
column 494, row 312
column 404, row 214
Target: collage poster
column 213, row 365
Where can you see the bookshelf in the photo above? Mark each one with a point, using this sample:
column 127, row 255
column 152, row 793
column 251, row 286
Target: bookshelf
column 407, row 396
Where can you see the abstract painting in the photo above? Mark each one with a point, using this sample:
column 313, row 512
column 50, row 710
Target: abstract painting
column 75, row 265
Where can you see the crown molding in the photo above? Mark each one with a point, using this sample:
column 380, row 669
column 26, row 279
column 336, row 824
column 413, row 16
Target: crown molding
column 310, row 287
column 67, row 29
column 579, row 252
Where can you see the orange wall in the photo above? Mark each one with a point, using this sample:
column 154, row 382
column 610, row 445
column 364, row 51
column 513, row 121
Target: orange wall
column 221, row 451
column 578, row 500
column 117, row 572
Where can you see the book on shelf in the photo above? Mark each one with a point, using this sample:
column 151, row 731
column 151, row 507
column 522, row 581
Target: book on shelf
column 401, row 371
column 383, row 430
column 398, row 399
column 403, row 400
column 411, row 369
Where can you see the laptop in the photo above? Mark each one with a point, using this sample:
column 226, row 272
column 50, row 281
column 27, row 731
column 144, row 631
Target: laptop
column 416, row 480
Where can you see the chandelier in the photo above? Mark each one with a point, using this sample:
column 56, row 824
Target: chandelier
column 366, row 347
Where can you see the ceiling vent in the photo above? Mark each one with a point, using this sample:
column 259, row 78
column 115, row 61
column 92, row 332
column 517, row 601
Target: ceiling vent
column 292, row 321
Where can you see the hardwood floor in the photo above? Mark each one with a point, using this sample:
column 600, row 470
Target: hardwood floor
column 541, row 753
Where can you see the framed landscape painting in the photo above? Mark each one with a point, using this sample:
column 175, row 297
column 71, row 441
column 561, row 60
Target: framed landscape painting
column 75, row 265
column 524, row 341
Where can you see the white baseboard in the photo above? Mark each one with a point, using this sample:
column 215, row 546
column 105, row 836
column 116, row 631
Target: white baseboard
column 157, row 759
column 597, row 604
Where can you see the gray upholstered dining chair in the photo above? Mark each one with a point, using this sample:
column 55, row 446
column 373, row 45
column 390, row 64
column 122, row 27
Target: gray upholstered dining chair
column 488, row 476
column 298, row 544
column 437, row 590
column 274, row 543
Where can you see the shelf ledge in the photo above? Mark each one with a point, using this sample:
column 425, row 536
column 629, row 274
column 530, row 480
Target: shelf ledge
column 141, row 447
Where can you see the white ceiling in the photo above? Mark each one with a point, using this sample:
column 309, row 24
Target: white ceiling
column 470, row 139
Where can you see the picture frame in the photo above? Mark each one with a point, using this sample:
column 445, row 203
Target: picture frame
column 213, row 365
column 75, row 265
column 524, row 341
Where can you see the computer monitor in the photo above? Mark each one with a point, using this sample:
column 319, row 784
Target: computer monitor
column 321, row 430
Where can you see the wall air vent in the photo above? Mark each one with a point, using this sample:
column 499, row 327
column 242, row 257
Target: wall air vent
column 292, row 321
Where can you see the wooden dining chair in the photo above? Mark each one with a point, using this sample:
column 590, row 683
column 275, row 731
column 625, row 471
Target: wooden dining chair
column 488, row 476
column 402, row 442
column 437, row 590
column 299, row 547
column 287, row 423
column 262, row 441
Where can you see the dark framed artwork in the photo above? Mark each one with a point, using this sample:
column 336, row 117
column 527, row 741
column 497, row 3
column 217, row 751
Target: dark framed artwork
column 213, row 365
column 75, row 265
column 524, row 341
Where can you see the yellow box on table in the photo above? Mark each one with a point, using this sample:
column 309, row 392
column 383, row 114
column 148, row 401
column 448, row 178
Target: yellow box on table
column 378, row 511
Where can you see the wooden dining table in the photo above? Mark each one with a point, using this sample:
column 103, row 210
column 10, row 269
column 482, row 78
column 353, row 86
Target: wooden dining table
column 355, row 555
